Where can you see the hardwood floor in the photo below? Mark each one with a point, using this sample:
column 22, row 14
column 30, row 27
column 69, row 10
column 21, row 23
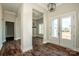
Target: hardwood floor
column 0, row 51
column 52, row 50
column 12, row 48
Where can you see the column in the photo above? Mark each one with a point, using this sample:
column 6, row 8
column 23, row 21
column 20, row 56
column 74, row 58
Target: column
column 26, row 27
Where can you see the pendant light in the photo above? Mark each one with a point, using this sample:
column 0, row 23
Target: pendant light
column 51, row 7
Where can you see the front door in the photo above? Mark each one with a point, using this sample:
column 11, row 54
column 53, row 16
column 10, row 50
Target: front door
column 66, row 32
column 63, row 32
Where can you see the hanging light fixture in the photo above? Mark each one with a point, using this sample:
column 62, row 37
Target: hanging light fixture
column 51, row 7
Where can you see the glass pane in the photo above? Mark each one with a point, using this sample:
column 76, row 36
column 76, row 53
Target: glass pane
column 66, row 28
column 55, row 28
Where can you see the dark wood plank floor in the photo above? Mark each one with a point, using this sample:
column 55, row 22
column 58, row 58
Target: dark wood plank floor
column 52, row 50
column 13, row 48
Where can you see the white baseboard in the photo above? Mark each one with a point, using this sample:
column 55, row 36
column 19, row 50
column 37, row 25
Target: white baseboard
column 17, row 38
column 44, row 42
column 25, row 50
column 77, row 49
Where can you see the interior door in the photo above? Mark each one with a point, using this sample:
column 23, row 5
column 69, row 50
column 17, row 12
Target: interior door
column 66, row 39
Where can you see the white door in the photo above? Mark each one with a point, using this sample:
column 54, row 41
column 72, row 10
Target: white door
column 63, row 31
column 66, row 26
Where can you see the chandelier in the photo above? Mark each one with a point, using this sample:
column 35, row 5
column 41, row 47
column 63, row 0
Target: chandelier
column 51, row 7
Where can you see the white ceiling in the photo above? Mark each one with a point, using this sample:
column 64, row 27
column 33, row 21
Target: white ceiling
column 36, row 14
column 44, row 5
column 11, row 6
column 14, row 6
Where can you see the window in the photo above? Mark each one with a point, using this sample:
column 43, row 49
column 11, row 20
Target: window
column 66, row 28
column 55, row 28
column 40, row 28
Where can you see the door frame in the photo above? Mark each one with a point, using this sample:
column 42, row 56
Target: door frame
column 4, row 29
column 73, row 14
column 73, row 25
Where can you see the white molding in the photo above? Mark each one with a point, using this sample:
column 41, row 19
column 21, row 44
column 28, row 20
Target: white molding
column 77, row 49
column 25, row 50
column 17, row 38
column 45, row 42
column 8, row 17
column 9, row 12
column 39, row 8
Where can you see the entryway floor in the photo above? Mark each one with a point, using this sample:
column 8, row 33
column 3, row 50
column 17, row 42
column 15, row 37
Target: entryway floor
column 13, row 48
column 49, row 49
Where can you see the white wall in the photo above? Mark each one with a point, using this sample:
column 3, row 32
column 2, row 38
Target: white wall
column 18, row 25
column 77, row 31
column 0, row 26
column 26, row 27
column 7, row 16
column 12, row 17
column 17, row 29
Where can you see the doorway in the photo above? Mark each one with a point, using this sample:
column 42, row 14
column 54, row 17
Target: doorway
column 38, row 24
column 63, row 29
column 9, row 30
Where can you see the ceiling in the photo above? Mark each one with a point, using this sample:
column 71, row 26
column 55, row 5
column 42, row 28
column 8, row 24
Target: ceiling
column 11, row 6
column 36, row 14
column 14, row 6
column 44, row 5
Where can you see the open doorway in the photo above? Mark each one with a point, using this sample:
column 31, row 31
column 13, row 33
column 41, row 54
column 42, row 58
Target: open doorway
column 37, row 29
column 37, row 26
column 9, row 29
